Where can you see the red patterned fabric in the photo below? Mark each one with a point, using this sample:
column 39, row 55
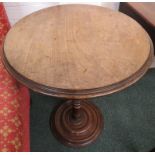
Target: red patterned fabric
column 4, row 24
column 14, row 104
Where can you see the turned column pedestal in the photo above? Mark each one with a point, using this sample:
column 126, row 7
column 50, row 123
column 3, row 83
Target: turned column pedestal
column 77, row 52
column 77, row 122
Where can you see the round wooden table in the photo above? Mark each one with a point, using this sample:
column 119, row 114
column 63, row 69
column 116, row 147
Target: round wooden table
column 77, row 52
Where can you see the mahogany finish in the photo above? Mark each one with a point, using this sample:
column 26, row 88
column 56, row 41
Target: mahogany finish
column 77, row 52
column 64, row 48
column 79, row 125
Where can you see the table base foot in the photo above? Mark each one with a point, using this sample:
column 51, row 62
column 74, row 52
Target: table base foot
column 77, row 123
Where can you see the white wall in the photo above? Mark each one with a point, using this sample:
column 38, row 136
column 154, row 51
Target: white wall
column 16, row 11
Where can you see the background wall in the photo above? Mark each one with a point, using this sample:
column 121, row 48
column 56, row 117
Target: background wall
column 18, row 10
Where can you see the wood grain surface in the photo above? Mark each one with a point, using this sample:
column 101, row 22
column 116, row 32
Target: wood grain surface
column 77, row 47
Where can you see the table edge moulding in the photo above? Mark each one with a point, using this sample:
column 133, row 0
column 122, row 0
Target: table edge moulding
column 80, row 94
column 77, row 122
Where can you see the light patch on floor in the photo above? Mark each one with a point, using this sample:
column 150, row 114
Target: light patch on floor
column 153, row 64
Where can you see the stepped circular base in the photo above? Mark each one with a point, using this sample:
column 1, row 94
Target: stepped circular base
column 77, row 132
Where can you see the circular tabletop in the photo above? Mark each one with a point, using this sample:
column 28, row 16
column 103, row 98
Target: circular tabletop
column 77, row 51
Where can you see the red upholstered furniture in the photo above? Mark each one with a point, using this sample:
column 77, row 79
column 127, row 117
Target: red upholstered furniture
column 14, row 104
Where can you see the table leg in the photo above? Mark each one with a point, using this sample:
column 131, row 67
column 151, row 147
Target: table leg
column 77, row 123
